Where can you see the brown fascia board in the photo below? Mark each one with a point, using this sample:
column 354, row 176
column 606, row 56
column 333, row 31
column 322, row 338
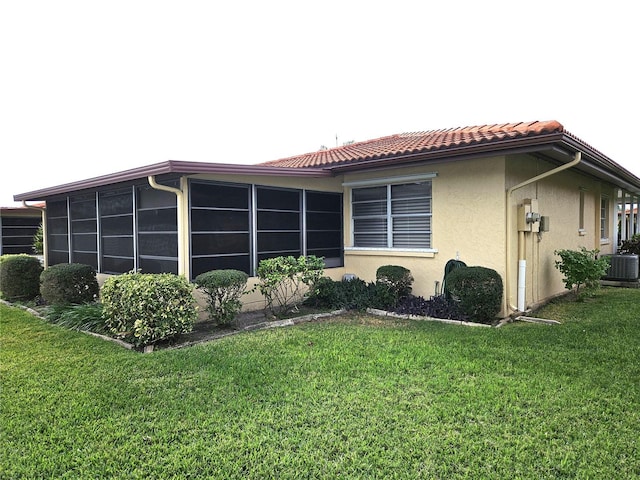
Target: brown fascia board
column 602, row 166
column 169, row 167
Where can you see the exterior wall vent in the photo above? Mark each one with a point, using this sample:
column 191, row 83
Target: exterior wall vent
column 623, row 267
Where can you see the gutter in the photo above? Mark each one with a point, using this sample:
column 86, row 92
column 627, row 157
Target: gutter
column 521, row 260
column 43, row 212
column 180, row 215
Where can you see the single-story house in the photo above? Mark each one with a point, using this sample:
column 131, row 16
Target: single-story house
column 499, row 196
column 18, row 226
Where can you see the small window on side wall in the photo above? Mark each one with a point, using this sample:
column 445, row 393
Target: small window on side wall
column 604, row 219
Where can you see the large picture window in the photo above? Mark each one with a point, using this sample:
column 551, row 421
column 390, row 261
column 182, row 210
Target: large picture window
column 323, row 212
column 116, row 217
column 237, row 225
column 278, row 223
column 392, row 216
column 220, row 226
column 58, row 230
column 84, row 230
column 157, row 218
column 17, row 234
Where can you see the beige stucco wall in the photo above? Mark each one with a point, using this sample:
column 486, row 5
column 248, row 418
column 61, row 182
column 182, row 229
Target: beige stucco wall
column 558, row 198
column 468, row 214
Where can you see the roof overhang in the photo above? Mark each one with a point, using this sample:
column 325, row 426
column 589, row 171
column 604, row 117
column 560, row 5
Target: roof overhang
column 558, row 147
column 176, row 167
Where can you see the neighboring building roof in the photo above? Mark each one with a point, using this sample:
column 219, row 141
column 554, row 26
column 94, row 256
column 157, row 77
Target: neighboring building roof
column 29, row 210
column 547, row 138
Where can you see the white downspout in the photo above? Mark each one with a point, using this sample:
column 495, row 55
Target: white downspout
column 522, row 262
column 179, row 204
column 43, row 220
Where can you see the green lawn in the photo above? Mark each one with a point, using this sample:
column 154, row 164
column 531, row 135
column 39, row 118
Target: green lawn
column 355, row 397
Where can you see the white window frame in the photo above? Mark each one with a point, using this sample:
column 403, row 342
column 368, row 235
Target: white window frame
column 389, row 182
column 605, row 215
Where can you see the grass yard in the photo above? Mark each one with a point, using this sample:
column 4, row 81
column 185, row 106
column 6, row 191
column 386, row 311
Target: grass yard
column 353, row 397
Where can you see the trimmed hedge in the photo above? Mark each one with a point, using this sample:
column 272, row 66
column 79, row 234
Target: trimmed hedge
column 353, row 294
column 478, row 291
column 145, row 308
column 223, row 289
column 19, row 277
column 397, row 278
column 69, row 283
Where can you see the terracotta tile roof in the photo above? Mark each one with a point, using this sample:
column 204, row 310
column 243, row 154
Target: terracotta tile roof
column 418, row 142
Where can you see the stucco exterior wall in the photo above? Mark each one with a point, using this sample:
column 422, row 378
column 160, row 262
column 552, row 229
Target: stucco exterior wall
column 467, row 222
column 558, row 198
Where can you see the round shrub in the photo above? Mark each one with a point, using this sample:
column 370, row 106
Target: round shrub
column 223, row 289
column 478, row 291
column 145, row 308
column 398, row 279
column 19, row 277
column 69, row 283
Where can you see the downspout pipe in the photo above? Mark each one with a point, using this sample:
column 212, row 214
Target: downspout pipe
column 43, row 222
column 521, row 251
column 179, row 204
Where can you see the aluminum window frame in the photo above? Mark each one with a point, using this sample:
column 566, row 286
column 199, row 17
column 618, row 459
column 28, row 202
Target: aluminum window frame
column 389, row 216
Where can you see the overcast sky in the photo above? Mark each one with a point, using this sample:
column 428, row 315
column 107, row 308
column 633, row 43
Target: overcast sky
column 90, row 88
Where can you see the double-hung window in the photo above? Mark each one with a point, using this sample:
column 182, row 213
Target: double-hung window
column 392, row 216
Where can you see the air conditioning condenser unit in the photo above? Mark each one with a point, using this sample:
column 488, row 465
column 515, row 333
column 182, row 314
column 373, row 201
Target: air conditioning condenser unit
column 623, row 267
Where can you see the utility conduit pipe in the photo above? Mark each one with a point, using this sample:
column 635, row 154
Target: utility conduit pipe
column 43, row 222
column 522, row 262
column 179, row 204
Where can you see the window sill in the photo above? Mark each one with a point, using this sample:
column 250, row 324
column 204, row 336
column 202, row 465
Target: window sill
column 604, row 241
column 391, row 252
column 582, row 232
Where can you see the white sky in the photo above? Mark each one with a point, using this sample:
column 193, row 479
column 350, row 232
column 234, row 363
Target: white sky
column 89, row 88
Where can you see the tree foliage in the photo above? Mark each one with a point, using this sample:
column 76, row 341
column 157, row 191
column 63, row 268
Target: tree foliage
column 582, row 268
column 223, row 289
column 284, row 280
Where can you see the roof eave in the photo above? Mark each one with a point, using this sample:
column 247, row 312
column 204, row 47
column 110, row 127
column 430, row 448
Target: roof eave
column 595, row 162
column 503, row 147
column 169, row 167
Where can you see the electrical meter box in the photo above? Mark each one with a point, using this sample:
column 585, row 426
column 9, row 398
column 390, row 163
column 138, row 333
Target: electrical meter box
column 528, row 216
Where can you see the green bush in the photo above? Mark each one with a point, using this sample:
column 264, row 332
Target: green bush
column 478, row 291
column 145, row 308
column 631, row 246
column 284, row 280
column 19, row 277
column 398, row 280
column 38, row 241
column 69, row 283
column 353, row 294
column 223, row 289
column 582, row 268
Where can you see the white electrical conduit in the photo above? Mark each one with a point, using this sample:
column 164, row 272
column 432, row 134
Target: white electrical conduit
column 522, row 262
